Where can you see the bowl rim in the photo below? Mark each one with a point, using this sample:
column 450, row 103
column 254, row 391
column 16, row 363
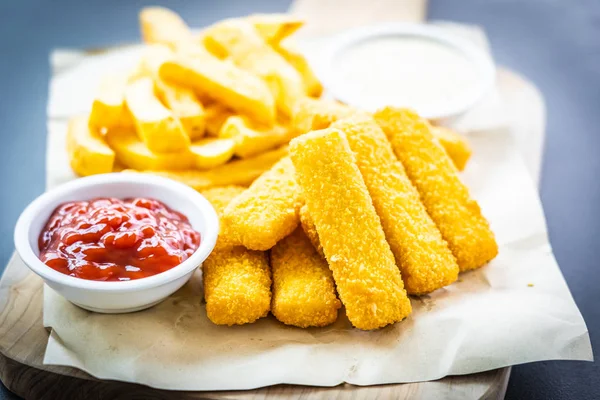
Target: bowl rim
column 341, row 42
column 40, row 205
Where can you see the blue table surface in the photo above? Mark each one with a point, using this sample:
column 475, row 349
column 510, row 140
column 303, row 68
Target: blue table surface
column 555, row 44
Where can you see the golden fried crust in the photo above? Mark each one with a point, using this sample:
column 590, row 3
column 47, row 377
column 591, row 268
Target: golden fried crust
column 425, row 262
column 308, row 225
column 312, row 114
column 445, row 197
column 456, row 146
column 303, row 288
column 237, row 281
column 363, row 266
column 237, row 286
column 266, row 212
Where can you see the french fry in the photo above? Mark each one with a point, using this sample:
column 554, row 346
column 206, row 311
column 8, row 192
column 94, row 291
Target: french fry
column 88, row 152
column 273, row 28
column 215, row 115
column 367, row 278
column 251, row 139
column 446, row 198
column 303, row 287
column 456, row 145
column 239, row 40
column 424, row 259
column 266, row 212
column 288, row 51
column 182, row 101
column 240, row 172
column 108, row 109
column 313, row 114
column 133, row 153
column 237, row 281
column 155, row 124
column 161, row 25
column 233, row 87
column 210, row 153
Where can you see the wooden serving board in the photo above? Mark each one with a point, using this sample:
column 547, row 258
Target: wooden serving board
column 23, row 340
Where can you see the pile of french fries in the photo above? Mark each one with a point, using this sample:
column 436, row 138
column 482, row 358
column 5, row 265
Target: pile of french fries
column 209, row 109
column 359, row 209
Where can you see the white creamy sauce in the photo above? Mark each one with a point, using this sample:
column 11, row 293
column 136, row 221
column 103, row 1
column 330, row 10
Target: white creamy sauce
column 405, row 71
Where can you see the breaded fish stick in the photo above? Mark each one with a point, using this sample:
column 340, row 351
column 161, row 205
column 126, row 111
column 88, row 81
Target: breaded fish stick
column 363, row 266
column 237, row 281
column 445, row 197
column 266, row 212
column 456, row 146
column 303, row 288
column 309, row 228
column 239, row 172
column 425, row 262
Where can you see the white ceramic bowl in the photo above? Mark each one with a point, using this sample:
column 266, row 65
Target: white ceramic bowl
column 340, row 89
column 125, row 296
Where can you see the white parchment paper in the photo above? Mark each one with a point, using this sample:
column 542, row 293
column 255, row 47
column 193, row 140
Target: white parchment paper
column 517, row 309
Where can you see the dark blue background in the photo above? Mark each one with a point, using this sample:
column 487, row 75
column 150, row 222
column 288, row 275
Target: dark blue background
column 556, row 44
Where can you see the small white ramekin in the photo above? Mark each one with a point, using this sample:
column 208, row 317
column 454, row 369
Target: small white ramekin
column 334, row 47
column 126, row 296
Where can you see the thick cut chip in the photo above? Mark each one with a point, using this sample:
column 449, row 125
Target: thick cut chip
column 447, row 200
column 215, row 115
column 233, row 87
column 210, row 153
column 292, row 55
column 88, row 152
column 365, row 272
column 155, row 124
column 313, row 114
column 131, row 152
column 239, row 41
column 161, row 25
column 108, row 109
column 251, row 139
column 239, row 172
column 303, row 287
column 273, row 28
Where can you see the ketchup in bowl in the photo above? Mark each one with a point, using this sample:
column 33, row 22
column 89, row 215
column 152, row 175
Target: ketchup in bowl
column 110, row 239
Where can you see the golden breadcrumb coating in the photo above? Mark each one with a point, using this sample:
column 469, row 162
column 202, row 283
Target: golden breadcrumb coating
column 267, row 211
column 363, row 266
column 303, row 288
column 425, row 262
column 445, row 197
column 312, row 114
column 237, row 281
column 457, row 146
column 309, row 228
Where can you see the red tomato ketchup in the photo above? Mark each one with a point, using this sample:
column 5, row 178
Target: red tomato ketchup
column 116, row 240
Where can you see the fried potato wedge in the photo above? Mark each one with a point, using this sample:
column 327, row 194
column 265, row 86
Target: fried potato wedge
column 233, row 87
column 215, row 115
column 239, row 41
column 108, row 108
column 155, row 124
column 273, row 28
column 88, row 152
column 314, row 114
column 251, row 139
column 240, row 172
column 210, row 153
column 131, row 152
column 161, row 25
column 182, row 101
column 292, row 55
